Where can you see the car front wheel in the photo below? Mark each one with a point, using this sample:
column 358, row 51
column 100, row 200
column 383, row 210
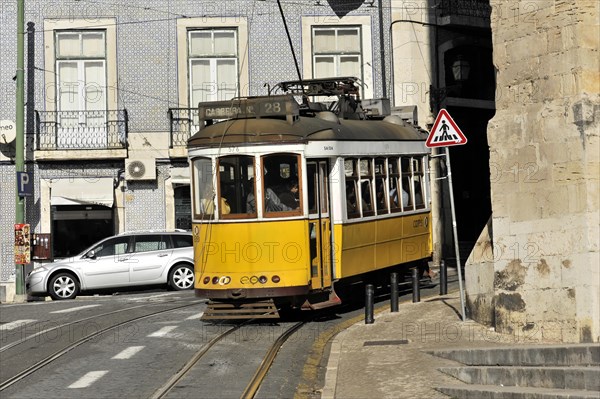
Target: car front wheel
column 181, row 277
column 63, row 286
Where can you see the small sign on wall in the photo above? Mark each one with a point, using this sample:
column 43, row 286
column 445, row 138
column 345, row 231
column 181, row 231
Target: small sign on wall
column 42, row 246
column 22, row 244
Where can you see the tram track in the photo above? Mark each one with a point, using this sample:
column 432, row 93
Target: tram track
column 265, row 365
column 73, row 323
column 256, row 380
column 57, row 354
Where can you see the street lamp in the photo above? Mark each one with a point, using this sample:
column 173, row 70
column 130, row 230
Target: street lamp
column 461, row 69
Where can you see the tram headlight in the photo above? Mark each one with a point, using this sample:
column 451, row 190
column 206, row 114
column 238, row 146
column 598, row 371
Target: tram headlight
column 262, row 279
column 215, row 280
column 206, row 280
column 224, row 280
column 275, row 279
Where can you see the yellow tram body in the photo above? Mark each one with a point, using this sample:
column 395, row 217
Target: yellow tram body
column 360, row 203
column 375, row 245
column 245, row 251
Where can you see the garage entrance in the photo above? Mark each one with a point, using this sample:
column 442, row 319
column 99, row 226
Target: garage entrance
column 76, row 227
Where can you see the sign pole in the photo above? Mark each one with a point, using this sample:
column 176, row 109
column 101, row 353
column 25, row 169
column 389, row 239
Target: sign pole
column 20, row 135
column 445, row 132
column 456, row 247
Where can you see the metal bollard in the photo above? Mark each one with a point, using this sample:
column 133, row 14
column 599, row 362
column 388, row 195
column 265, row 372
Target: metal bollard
column 416, row 285
column 369, row 304
column 394, row 292
column 443, row 278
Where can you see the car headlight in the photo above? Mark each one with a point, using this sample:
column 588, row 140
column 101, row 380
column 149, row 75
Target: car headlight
column 38, row 270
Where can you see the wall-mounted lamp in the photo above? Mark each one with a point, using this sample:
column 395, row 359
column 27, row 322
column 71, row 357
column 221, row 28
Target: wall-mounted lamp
column 461, row 69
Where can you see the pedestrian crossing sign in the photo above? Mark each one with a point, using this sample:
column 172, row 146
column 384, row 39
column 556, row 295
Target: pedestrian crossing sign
column 445, row 132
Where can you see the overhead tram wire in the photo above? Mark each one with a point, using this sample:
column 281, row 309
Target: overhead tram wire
column 291, row 44
column 163, row 100
column 226, row 127
column 142, row 8
column 178, row 16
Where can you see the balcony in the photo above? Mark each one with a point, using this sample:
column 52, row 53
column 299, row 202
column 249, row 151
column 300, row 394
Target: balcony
column 99, row 134
column 183, row 123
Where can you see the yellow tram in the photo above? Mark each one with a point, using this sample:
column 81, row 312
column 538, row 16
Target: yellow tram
column 290, row 199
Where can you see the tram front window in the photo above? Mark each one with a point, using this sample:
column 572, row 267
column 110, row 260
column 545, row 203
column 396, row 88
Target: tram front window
column 204, row 193
column 236, row 186
column 281, row 184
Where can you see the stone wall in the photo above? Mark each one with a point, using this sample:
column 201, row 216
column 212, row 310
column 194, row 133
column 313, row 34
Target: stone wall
column 544, row 162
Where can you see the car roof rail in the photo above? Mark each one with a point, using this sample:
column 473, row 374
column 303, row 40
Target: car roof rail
column 154, row 231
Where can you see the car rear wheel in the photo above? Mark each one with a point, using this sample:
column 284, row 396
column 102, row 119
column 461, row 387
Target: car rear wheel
column 63, row 286
column 181, row 277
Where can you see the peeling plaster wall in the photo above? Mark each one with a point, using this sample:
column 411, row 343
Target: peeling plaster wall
column 544, row 157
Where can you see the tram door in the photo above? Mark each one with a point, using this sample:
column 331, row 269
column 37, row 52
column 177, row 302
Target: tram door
column 319, row 223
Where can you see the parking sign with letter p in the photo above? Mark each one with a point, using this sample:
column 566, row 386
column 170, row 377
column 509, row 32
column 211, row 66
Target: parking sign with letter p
column 24, row 184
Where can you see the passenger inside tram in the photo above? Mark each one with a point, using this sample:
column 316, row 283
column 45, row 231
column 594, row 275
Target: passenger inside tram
column 272, row 201
column 289, row 196
column 351, row 205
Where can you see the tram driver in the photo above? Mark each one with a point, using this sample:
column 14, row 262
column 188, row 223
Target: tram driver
column 272, row 201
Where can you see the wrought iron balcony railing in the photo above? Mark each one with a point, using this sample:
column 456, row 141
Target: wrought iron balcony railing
column 183, row 124
column 81, row 130
column 466, row 8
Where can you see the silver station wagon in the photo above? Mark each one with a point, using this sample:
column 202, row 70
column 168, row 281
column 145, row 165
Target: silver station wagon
column 125, row 260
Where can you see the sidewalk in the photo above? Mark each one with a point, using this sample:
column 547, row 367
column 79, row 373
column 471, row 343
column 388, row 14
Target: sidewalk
column 388, row 359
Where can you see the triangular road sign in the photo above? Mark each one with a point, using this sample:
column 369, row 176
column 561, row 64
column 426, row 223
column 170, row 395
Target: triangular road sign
column 445, row 132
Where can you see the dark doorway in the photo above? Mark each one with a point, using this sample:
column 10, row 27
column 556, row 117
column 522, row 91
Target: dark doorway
column 76, row 227
column 471, row 176
column 183, row 208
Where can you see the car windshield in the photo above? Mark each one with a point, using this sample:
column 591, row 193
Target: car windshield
column 108, row 246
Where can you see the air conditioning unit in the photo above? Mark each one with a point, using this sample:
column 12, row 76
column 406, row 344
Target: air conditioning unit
column 140, row 169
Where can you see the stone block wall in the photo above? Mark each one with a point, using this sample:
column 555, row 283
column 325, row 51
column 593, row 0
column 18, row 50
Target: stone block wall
column 544, row 158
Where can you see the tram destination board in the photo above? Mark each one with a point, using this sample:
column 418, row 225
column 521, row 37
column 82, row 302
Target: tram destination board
column 249, row 108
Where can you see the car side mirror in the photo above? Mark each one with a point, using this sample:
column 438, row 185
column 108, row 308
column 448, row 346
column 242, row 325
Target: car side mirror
column 91, row 254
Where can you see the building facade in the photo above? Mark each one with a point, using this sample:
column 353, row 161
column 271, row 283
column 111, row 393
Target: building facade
column 112, row 94
column 535, row 269
column 442, row 59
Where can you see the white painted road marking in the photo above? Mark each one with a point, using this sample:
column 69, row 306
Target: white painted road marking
column 15, row 324
column 196, row 316
column 88, row 379
column 128, row 353
column 163, row 331
column 75, row 309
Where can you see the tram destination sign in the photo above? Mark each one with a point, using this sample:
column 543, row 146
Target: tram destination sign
column 249, row 108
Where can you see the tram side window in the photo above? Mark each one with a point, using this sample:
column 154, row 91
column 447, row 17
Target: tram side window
column 366, row 187
column 394, row 179
column 366, row 201
column 417, row 163
column 281, row 184
column 407, row 202
column 381, row 186
column 203, row 189
column 313, row 186
column 351, row 175
column 235, row 178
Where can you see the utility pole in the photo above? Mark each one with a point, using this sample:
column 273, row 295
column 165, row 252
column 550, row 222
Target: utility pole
column 20, row 137
column 382, row 51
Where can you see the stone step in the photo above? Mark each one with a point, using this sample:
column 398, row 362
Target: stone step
column 499, row 392
column 586, row 378
column 525, row 355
